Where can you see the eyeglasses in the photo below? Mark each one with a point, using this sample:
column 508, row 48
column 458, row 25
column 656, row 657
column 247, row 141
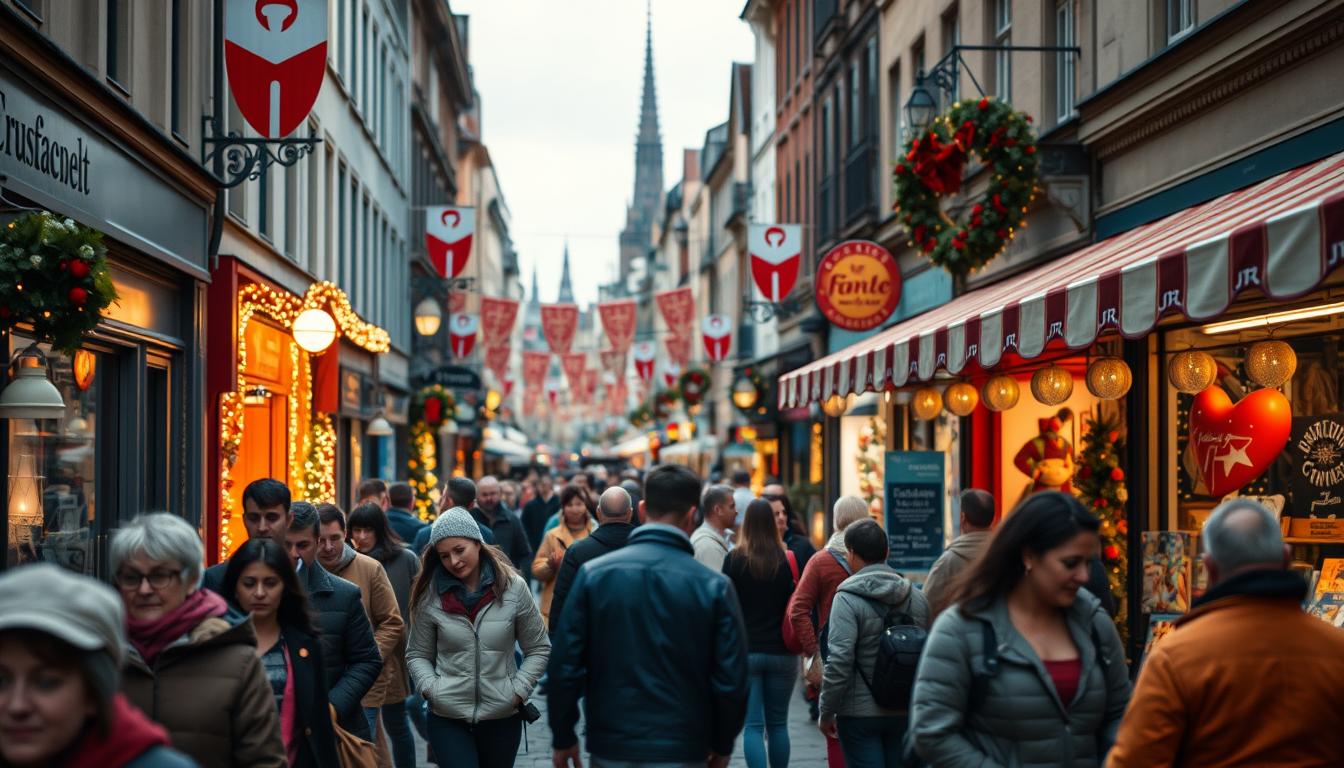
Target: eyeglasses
column 129, row 580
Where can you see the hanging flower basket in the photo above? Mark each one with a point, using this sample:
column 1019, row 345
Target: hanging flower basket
column 53, row 276
column 694, row 385
column 433, row 405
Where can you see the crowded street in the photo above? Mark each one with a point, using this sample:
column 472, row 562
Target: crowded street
column 672, row 384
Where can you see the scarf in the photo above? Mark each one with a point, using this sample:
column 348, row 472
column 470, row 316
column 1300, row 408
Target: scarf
column 151, row 637
column 453, row 594
column 130, row 734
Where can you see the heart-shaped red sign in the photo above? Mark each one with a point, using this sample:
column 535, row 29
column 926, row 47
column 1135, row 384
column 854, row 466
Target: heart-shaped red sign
column 1234, row 444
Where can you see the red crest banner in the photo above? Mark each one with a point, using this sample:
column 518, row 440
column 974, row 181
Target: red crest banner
column 617, row 393
column 573, row 364
column 671, row 372
column 535, row 365
column 645, row 353
column 559, row 322
column 275, row 54
column 462, row 328
column 497, row 360
column 588, row 385
column 678, row 349
column 776, row 254
column 613, row 361
column 448, row 233
column 678, row 308
column 498, row 316
column 618, row 320
column 717, row 332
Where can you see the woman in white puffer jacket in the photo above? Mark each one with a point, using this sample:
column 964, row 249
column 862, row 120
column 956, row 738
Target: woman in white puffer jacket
column 469, row 608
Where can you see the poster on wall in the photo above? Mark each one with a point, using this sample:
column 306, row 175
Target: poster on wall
column 1316, row 453
column 914, row 509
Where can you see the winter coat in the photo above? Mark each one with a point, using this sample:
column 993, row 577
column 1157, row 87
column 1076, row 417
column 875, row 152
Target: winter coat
column 947, row 569
column 389, row 629
column 405, row 524
column 816, row 591
column 508, row 532
column 1246, row 678
column 349, row 653
column 558, row 539
column 764, row 601
column 210, row 691
column 858, row 617
column 536, row 513
column 466, row 666
column 1018, row 720
column 132, row 740
column 655, row 636
column 608, row 538
column 801, row 547
column 711, row 547
column 312, row 713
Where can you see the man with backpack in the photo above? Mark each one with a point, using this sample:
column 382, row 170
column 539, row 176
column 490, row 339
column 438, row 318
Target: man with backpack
column 878, row 624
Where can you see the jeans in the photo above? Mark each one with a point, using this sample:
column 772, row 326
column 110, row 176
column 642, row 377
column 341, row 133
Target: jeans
column 772, row 677
column 416, row 706
column 871, row 742
column 397, row 726
column 487, row 744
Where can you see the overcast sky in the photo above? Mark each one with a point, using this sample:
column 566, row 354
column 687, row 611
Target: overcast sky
column 560, row 85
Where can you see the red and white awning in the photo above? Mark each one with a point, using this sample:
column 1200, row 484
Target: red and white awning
column 1280, row 237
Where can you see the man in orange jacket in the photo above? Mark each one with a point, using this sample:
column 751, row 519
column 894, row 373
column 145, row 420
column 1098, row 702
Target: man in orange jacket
column 1245, row 678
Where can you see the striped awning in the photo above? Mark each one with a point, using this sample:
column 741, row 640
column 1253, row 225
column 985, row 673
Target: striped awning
column 1279, row 237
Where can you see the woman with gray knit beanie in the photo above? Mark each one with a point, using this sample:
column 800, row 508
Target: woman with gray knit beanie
column 469, row 607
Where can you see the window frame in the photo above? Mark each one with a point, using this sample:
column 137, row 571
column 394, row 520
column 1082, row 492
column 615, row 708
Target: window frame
column 1066, row 68
column 1184, row 12
column 1002, row 27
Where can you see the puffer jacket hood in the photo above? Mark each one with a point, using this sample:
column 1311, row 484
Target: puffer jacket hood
column 880, row 583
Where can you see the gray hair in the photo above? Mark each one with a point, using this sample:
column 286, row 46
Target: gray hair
column 1235, row 541
column 163, row 537
column 615, row 502
column 847, row 511
column 715, row 495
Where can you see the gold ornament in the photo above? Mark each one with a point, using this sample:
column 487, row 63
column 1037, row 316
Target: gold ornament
column 836, row 406
column 1270, row 363
column 1109, row 378
column 927, row 403
column 1191, row 371
column 1001, row 393
column 1052, row 385
column 961, row 398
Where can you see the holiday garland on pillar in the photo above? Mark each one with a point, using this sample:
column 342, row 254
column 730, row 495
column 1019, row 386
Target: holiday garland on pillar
column 421, row 465
column 869, row 458
column 1100, row 484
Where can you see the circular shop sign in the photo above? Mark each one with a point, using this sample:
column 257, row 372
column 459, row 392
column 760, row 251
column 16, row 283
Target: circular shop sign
column 858, row 285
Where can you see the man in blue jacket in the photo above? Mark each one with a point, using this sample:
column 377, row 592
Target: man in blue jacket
column 680, row 680
column 401, row 497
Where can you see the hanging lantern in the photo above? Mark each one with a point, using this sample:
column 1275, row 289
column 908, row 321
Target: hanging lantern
column 1191, row 371
column 837, row 405
column 314, row 330
column 1001, row 393
column 1052, row 385
column 927, row 403
column 1270, row 363
column 1109, row 378
column 428, row 316
column 961, row 398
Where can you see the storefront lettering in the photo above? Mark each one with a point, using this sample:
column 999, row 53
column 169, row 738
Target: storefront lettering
column 1336, row 254
column 1170, row 299
column 30, row 145
column 1247, row 277
column 1056, row 329
column 1110, row 316
column 1322, row 449
column 1010, row 341
column 942, row 359
column 975, row 348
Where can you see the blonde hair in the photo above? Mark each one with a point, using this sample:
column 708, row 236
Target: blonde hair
column 847, row 511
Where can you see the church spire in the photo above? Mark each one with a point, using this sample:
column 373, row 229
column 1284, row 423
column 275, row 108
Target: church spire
column 566, row 290
column 535, row 295
column 648, row 108
column 648, row 192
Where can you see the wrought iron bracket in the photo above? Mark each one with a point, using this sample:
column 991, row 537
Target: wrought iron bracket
column 765, row 311
column 461, row 283
column 945, row 74
column 233, row 159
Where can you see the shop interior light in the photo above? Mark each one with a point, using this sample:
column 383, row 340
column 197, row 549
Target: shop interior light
column 1270, row 363
column 427, row 317
column 837, row 405
column 1191, row 371
column 31, row 395
column 1109, row 378
column 927, row 403
column 314, row 330
column 379, row 427
column 961, row 398
column 1001, row 393
column 1273, row 318
column 1052, row 385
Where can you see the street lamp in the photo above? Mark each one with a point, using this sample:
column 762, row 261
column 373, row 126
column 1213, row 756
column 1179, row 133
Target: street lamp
column 427, row 317
column 921, row 108
column 745, row 395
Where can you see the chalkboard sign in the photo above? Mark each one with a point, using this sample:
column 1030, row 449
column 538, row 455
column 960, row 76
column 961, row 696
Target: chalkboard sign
column 1316, row 452
column 914, row 508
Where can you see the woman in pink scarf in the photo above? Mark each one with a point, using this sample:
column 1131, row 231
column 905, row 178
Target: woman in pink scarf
column 192, row 663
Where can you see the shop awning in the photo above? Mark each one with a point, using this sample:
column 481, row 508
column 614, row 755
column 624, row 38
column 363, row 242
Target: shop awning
column 1280, row 237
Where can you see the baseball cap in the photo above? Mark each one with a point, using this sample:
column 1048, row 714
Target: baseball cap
column 81, row 611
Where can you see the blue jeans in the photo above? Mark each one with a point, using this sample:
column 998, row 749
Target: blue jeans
column 871, row 742
column 487, row 744
column 398, row 728
column 772, row 677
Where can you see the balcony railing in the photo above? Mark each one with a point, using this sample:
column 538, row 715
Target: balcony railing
column 860, row 182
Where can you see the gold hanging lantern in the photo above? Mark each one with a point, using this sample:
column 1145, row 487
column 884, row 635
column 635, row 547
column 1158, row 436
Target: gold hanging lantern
column 1270, row 363
column 837, row 405
column 1191, row 371
column 1052, row 385
column 1109, row 378
column 961, row 398
column 927, row 403
column 1001, row 393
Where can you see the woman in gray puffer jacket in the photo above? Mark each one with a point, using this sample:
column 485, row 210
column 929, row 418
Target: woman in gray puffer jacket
column 1054, row 688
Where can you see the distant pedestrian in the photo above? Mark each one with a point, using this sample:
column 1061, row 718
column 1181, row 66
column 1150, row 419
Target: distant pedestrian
column 509, row 494
column 469, row 608
column 791, row 529
column 977, row 521
column 260, row 581
column 62, row 641
column 742, row 494
column 536, row 512
column 372, row 491
column 265, row 515
column 1057, row 685
column 651, row 635
column 457, row 492
column 503, row 522
column 400, row 515
column 866, row 603
column 711, row 540
column 1246, row 678
column 764, row 574
column 188, row 653
column 614, row 512
column 575, row 524
column 636, row 493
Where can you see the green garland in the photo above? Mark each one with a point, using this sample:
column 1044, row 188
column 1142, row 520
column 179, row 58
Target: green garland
column 694, row 385
column 421, row 465
column 933, row 166
column 1100, row 484
column 53, row 275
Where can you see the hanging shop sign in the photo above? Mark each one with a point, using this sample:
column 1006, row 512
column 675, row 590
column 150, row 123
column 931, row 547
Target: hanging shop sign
column 776, row 254
column 914, row 508
column 462, row 329
column 717, row 333
column 678, row 309
column 498, row 317
column 1234, row 444
column 559, row 322
column 275, row 54
column 454, row 377
column 448, row 233
column 645, row 353
column 858, row 285
column 1316, row 452
column 618, row 321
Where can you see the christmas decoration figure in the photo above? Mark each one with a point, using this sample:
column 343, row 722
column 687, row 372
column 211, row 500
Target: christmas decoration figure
column 1048, row 458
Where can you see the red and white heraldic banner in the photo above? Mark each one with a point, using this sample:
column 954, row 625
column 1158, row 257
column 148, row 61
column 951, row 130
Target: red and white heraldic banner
column 462, row 328
column 776, row 253
column 645, row 353
column 678, row 308
column 497, row 360
column 717, row 332
column 498, row 316
column 448, row 233
column 275, row 53
column 618, row 320
column 588, row 390
column 535, row 365
column 558, row 324
column 574, row 364
column 671, row 372
column 678, row 349
column 612, row 361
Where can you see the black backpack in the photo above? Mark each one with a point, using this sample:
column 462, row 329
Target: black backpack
column 898, row 650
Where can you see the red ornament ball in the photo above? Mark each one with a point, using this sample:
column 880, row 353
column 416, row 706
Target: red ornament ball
column 1111, row 552
column 984, row 102
column 78, row 296
column 1113, row 436
column 1117, row 474
column 80, row 269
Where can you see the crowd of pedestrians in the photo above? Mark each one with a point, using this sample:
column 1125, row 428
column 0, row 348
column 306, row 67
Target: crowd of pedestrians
column 678, row 615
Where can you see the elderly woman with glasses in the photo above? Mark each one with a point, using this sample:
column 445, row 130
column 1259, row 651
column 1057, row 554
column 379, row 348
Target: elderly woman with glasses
column 192, row 663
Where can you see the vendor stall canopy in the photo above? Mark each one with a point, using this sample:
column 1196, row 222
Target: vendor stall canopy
column 1280, row 237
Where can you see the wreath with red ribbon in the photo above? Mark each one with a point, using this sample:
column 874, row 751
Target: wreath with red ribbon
column 934, row 165
column 433, row 405
column 694, row 385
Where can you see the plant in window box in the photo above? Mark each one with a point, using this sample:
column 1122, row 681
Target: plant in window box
column 54, row 277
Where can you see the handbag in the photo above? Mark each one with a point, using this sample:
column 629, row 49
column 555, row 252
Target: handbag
column 352, row 751
column 786, row 627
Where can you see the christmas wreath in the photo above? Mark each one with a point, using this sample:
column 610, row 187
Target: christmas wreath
column 664, row 401
column 933, row 167
column 53, row 275
column 641, row 417
column 693, row 384
column 433, row 405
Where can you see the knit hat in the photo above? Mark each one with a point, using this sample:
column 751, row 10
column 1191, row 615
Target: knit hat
column 76, row 609
column 455, row 523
